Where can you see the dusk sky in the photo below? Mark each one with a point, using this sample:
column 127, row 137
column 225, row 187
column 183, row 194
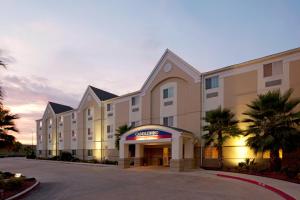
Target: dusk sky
column 57, row 48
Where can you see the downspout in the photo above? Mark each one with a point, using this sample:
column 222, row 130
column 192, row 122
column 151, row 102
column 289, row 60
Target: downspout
column 201, row 117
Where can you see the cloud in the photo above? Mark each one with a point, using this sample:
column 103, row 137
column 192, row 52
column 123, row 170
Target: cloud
column 28, row 98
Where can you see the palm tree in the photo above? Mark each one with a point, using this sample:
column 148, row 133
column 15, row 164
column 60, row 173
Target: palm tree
column 273, row 124
column 220, row 126
column 120, row 131
column 7, row 121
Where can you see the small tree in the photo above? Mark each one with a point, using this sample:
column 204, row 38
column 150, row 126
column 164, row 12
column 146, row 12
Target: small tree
column 273, row 124
column 120, row 131
column 220, row 126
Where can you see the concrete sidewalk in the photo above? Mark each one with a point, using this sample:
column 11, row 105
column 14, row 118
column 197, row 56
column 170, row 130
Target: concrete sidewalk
column 292, row 189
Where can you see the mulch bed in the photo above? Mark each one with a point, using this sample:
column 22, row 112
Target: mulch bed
column 274, row 175
column 27, row 183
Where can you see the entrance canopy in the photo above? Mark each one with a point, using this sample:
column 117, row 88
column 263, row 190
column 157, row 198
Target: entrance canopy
column 180, row 141
column 153, row 134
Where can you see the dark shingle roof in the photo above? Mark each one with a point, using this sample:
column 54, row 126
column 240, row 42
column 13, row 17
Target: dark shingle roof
column 59, row 108
column 102, row 95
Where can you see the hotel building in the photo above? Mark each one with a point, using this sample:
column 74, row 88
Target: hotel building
column 166, row 114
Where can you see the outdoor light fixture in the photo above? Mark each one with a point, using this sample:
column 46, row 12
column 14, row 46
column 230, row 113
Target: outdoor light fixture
column 18, row 175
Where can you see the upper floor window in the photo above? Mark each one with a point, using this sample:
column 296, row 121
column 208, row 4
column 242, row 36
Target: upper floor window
column 61, row 119
column 89, row 112
column 168, row 121
column 59, row 134
column 212, row 82
column 108, row 107
column 272, row 69
column 73, row 115
column 41, row 124
column 134, row 101
column 89, row 131
column 168, row 92
column 50, row 121
column 108, row 128
column 135, row 124
column 73, row 133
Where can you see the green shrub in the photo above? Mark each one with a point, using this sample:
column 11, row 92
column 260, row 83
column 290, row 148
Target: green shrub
column 292, row 171
column 11, row 184
column 93, row 161
column 74, row 159
column 65, row 156
column 54, row 158
column 109, row 162
column 248, row 164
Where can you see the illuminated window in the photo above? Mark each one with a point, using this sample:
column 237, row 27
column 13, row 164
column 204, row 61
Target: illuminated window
column 266, row 154
column 211, row 153
column 212, row 82
column 50, row 122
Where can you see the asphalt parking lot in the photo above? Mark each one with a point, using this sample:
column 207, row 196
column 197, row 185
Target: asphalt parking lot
column 71, row 181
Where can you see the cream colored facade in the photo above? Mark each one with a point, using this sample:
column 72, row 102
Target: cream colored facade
column 176, row 95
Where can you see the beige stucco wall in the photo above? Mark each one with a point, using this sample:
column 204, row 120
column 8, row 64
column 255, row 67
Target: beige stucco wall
column 121, row 113
column 67, row 131
column 188, row 99
column 294, row 78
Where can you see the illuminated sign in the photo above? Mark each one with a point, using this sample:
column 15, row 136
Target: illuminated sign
column 149, row 135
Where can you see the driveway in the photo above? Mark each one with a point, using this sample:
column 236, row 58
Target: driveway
column 73, row 181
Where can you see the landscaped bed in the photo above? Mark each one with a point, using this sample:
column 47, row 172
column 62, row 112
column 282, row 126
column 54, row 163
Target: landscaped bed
column 12, row 184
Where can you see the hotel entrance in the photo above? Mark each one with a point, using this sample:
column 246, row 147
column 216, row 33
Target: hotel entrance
column 157, row 155
column 157, row 145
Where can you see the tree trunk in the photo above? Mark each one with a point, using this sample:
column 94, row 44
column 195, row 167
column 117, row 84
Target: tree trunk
column 220, row 150
column 275, row 161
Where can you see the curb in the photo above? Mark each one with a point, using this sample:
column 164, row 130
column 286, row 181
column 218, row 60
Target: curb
column 24, row 191
column 78, row 163
column 268, row 187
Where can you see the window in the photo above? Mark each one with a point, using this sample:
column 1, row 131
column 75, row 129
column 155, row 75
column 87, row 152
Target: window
column 108, row 128
column 61, row 119
column 168, row 121
column 89, row 131
column 211, row 153
column 73, row 115
column 108, row 108
column 90, row 152
column 212, row 82
column 41, row 138
column 135, row 123
column 40, row 152
column 272, row 69
column 50, row 122
column 89, row 112
column 168, row 92
column 49, row 152
column 41, row 124
column 73, row 152
column 59, row 134
column 49, row 136
column 73, row 133
column 134, row 101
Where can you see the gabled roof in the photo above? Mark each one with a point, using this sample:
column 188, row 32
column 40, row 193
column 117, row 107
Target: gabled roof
column 182, row 64
column 102, row 95
column 59, row 108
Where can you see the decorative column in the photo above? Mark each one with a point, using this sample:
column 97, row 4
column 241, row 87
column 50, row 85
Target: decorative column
column 124, row 160
column 139, row 155
column 189, row 154
column 176, row 162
